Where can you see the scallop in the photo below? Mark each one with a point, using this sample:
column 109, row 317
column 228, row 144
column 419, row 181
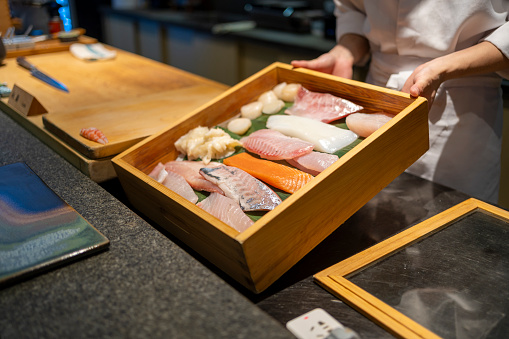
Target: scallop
column 289, row 92
column 271, row 103
column 273, row 107
column 252, row 110
column 278, row 89
column 239, row 126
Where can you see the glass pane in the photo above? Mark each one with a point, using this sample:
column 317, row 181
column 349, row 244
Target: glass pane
column 454, row 282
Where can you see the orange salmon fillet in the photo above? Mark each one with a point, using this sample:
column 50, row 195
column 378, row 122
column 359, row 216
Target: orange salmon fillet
column 280, row 176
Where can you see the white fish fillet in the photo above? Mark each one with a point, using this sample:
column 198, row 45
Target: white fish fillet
column 179, row 185
column 242, row 187
column 226, row 210
column 190, row 170
column 364, row 124
column 325, row 138
column 314, row 162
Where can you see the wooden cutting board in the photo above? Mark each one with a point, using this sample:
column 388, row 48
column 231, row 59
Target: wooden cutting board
column 125, row 83
column 126, row 122
column 127, row 76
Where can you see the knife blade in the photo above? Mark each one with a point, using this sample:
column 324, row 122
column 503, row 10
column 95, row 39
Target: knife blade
column 40, row 75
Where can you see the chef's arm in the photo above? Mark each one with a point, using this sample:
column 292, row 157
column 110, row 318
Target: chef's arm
column 351, row 49
column 478, row 59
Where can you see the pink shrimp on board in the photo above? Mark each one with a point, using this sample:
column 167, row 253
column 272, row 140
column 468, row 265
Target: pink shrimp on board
column 94, row 134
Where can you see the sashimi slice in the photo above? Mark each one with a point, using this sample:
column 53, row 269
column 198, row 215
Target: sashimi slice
column 280, row 176
column 158, row 173
column 314, row 162
column 273, row 145
column 179, row 185
column 325, row 138
column 242, row 187
column 323, row 107
column 364, row 124
column 226, row 210
column 190, row 170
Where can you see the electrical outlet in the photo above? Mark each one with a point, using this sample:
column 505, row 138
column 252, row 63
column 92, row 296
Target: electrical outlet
column 316, row 324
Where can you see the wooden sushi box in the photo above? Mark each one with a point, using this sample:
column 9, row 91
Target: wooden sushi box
column 260, row 255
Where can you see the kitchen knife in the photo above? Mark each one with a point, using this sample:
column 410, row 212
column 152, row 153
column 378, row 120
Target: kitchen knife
column 40, row 75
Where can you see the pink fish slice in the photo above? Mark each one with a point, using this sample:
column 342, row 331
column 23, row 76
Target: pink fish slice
column 274, row 145
column 226, row 210
column 190, row 170
column 94, row 134
column 313, row 163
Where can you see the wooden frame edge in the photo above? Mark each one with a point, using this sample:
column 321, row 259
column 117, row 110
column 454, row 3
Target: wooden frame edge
column 333, row 278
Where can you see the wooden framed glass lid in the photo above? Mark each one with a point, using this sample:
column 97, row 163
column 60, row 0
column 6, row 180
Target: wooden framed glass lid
column 446, row 277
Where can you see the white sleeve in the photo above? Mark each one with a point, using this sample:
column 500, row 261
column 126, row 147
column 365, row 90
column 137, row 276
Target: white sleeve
column 349, row 19
column 500, row 38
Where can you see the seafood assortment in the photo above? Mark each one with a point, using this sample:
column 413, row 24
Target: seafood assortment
column 202, row 143
column 323, row 107
column 286, row 178
column 250, row 193
column 324, row 137
column 94, row 134
column 298, row 133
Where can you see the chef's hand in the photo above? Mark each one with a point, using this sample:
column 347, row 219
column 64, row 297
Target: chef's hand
column 339, row 63
column 339, row 60
column 424, row 81
column 478, row 59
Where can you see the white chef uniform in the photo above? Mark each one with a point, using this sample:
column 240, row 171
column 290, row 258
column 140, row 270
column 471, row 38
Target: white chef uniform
column 466, row 118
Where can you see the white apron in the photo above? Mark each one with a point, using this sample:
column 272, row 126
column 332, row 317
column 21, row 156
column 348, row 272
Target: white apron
column 465, row 120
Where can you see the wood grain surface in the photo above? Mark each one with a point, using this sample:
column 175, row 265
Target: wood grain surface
column 127, row 76
column 119, row 82
column 126, row 122
column 5, row 16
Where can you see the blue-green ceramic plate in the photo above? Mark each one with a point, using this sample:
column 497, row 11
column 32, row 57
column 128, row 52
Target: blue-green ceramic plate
column 38, row 230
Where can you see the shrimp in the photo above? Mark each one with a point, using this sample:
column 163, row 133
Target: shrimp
column 94, row 134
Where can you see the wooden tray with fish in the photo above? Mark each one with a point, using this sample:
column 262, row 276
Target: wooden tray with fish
column 257, row 256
